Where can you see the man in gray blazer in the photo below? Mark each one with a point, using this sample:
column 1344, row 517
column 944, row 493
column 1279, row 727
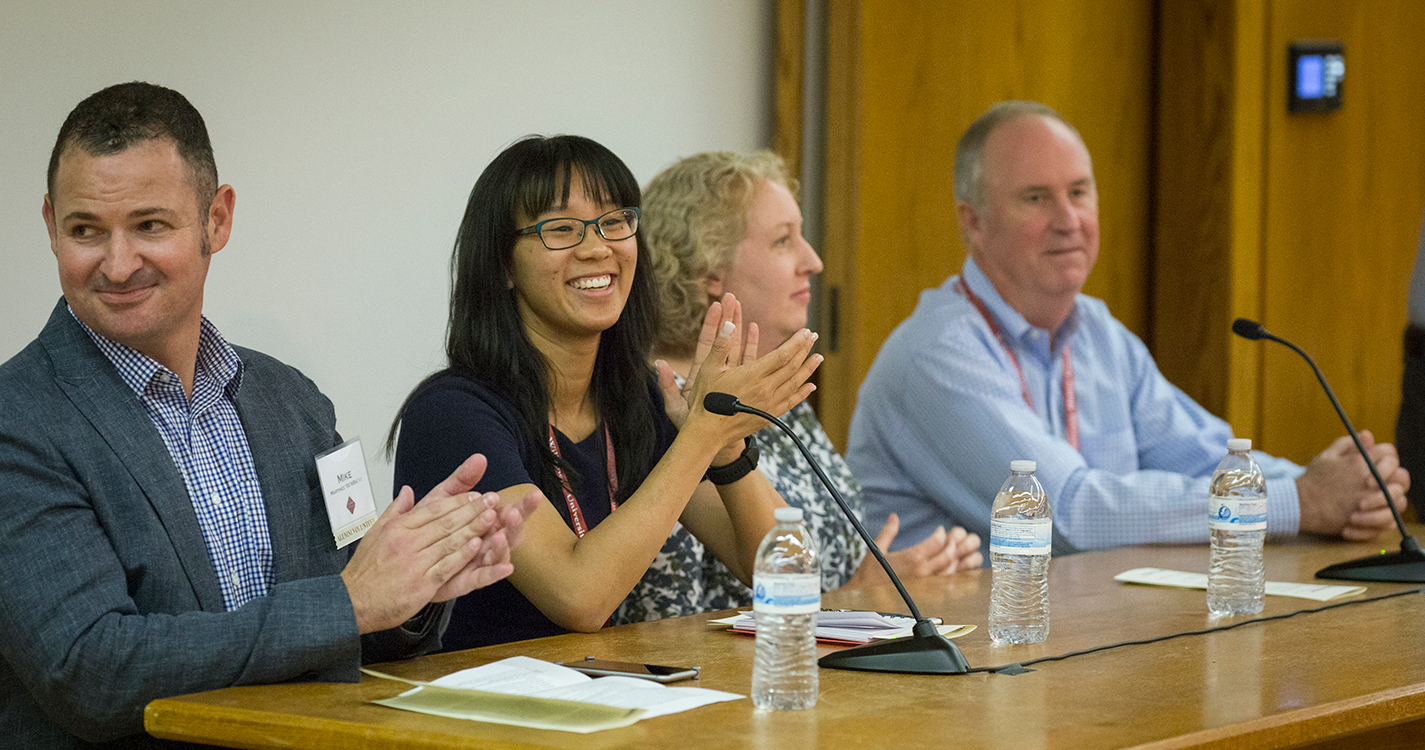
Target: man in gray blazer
column 162, row 528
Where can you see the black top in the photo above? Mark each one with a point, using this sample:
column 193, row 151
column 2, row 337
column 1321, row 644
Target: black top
column 450, row 418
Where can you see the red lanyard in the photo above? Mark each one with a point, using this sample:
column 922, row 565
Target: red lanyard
column 1071, row 399
column 576, row 515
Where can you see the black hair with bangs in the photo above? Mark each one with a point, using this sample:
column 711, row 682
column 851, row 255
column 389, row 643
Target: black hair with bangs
column 485, row 337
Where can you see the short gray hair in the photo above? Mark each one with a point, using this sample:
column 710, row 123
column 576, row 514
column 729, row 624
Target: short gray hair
column 970, row 151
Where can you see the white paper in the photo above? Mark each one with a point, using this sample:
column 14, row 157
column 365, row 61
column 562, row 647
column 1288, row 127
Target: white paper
column 523, row 675
column 631, row 692
column 517, row 675
column 346, row 489
column 1179, row 579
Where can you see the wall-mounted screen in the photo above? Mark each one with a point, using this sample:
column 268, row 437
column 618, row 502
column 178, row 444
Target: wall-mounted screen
column 1316, row 69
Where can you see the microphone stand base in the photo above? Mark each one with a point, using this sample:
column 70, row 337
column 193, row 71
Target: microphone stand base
column 1405, row 566
column 916, row 654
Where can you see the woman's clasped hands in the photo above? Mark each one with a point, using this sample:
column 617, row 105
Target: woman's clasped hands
column 726, row 361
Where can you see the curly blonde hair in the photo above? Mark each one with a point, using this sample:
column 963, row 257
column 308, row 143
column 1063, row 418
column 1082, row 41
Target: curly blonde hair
column 694, row 216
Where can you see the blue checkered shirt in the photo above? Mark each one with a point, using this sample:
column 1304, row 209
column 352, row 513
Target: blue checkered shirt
column 205, row 438
column 940, row 415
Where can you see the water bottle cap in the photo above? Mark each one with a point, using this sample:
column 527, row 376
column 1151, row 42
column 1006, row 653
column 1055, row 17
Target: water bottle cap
column 1239, row 444
column 1022, row 465
column 787, row 515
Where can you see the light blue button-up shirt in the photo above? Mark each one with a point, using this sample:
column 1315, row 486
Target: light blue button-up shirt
column 941, row 414
column 207, row 443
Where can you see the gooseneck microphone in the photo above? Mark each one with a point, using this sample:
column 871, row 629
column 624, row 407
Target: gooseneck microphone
column 1405, row 566
column 925, row 651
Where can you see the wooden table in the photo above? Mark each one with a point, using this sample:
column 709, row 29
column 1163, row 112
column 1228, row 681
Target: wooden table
column 1348, row 677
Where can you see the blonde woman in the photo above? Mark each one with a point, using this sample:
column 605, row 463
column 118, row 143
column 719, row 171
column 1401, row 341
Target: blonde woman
column 719, row 223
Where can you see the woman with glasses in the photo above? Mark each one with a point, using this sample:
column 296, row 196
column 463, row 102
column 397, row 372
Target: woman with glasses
column 551, row 315
column 724, row 222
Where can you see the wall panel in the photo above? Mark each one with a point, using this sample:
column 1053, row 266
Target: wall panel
column 1343, row 208
column 1307, row 222
column 1208, row 226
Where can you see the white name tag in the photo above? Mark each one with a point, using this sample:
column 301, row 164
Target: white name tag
column 347, row 491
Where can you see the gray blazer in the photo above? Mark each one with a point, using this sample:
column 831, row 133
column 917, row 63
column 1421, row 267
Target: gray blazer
column 108, row 598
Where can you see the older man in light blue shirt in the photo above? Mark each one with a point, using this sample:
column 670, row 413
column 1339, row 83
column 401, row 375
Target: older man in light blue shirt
column 1008, row 361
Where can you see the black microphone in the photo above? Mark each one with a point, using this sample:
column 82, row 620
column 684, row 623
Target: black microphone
column 925, row 651
column 1405, row 566
column 1249, row 329
column 722, row 403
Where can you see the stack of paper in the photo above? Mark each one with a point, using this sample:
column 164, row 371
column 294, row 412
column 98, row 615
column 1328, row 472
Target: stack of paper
column 526, row 692
column 850, row 626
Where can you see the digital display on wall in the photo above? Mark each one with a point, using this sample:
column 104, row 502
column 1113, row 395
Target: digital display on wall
column 1317, row 69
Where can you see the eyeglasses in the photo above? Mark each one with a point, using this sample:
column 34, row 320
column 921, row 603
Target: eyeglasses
column 562, row 234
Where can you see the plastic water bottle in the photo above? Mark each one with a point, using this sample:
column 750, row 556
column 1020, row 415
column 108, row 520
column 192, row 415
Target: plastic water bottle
column 786, row 595
column 1021, row 533
column 1237, row 521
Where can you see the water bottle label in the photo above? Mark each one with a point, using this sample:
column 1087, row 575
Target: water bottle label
column 1237, row 513
column 1021, row 536
column 786, row 594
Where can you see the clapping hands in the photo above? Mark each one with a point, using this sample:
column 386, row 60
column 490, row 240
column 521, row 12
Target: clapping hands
column 452, row 542
column 727, row 360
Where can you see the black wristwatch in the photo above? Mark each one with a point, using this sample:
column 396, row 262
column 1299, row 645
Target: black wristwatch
column 739, row 468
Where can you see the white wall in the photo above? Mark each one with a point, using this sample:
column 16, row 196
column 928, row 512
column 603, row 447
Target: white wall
column 352, row 133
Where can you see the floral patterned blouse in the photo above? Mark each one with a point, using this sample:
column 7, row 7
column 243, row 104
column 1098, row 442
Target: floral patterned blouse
column 686, row 578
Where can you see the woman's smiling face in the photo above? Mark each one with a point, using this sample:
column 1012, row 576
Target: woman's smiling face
column 575, row 292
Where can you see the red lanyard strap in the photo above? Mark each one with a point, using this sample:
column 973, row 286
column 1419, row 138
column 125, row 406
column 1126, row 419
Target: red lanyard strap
column 576, row 515
column 1071, row 399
